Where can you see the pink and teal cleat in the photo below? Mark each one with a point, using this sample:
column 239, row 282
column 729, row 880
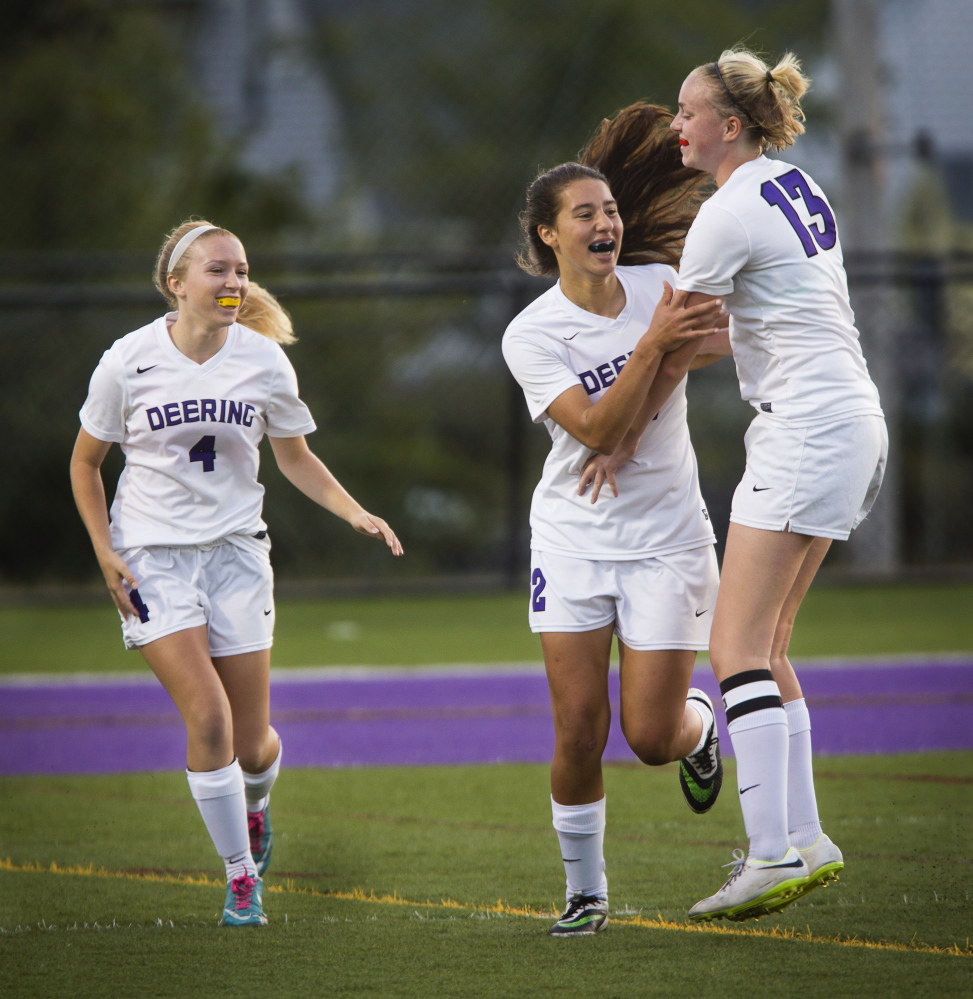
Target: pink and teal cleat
column 261, row 838
column 244, row 903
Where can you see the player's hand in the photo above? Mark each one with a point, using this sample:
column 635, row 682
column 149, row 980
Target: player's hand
column 601, row 468
column 674, row 324
column 118, row 576
column 375, row 527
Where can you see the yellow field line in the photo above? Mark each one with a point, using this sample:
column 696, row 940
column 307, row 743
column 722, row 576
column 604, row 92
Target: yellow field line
column 502, row 908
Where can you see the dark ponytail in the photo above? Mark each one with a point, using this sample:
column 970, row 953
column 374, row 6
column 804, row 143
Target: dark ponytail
column 657, row 196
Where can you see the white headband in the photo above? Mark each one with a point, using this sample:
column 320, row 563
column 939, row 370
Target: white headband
column 180, row 248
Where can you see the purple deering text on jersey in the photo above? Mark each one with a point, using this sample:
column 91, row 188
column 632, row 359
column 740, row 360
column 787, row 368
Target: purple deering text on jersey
column 200, row 411
column 603, row 375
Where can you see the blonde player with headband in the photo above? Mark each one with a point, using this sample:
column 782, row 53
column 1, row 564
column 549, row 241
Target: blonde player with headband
column 767, row 244
column 186, row 555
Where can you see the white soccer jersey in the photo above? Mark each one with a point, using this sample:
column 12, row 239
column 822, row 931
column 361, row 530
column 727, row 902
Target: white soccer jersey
column 554, row 345
column 767, row 242
column 190, row 432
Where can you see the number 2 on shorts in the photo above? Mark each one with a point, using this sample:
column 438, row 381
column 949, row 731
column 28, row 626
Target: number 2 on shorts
column 537, row 580
column 204, row 450
column 796, row 186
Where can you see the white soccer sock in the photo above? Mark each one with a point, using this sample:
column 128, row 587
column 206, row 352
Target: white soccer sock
column 803, row 824
column 706, row 718
column 758, row 730
column 581, row 833
column 220, row 799
column 257, row 786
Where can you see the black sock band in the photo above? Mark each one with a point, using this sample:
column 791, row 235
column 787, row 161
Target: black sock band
column 750, row 691
column 747, row 676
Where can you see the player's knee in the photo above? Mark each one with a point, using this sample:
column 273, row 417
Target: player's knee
column 582, row 736
column 252, row 754
column 654, row 748
column 211, row 724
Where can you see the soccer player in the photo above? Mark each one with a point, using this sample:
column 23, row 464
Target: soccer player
column 186, row 554
column 602, row 358
column 767, row 244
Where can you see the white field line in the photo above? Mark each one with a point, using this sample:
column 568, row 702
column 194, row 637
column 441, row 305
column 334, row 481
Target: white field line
column 292, row 674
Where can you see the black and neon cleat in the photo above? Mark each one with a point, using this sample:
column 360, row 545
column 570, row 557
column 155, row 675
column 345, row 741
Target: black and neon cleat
column 701, row 774
column 584, row 915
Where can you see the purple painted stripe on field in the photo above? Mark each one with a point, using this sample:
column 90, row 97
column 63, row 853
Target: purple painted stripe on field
column 450, row 718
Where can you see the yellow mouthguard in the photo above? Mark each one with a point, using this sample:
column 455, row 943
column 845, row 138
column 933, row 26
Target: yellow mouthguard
column 231, row 302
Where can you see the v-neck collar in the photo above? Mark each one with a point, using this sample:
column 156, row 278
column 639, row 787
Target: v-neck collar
column 175, row 354
column 580, row 315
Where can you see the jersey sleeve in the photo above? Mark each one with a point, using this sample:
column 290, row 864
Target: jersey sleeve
column 103, row 412
column 287, row 415
column 717, row 248
column 539, row 371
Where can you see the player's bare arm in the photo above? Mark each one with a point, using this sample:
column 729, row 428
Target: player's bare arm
column 89, row 494
column 602, row 425
column 600, row 469
column 307, row 472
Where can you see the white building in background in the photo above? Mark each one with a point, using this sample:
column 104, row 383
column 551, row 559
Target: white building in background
column 926, row 50
column 267, row 92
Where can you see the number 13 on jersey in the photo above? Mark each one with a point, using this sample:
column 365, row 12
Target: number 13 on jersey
column 796, row 185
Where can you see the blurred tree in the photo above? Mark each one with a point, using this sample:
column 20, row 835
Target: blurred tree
column 104, row 144
column 451, row 108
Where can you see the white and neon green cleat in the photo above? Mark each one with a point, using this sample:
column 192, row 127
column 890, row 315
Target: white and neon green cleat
column 754, row 888
column 824, row 862
column 244, row 903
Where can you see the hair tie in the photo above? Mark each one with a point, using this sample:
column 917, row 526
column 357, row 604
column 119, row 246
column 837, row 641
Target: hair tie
column 770, row 76
column 180, row 248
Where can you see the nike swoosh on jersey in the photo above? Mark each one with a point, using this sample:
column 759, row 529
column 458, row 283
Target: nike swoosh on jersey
column 572, row 336
column 701, row 613
column 141, row 371
column 762, row 489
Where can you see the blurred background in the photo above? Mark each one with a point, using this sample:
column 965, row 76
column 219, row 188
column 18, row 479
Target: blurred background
column 373, row 157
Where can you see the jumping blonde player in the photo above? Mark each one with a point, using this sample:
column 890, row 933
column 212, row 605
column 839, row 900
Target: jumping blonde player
column 186, row 554
column 602, row 358
column 766, row 243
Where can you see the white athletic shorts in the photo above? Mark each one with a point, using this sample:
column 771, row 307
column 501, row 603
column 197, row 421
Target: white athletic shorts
column 819, row 480
column 226, row 588
column 655, row 603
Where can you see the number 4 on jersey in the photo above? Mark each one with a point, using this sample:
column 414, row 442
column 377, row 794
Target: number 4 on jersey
column 204, row 450
column 795, row 184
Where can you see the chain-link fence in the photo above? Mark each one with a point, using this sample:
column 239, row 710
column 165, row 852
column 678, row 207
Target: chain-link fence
column 399, row 360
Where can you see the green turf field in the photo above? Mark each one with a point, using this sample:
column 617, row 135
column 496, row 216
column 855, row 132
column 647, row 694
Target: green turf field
column 483, row 628
column 126, row 925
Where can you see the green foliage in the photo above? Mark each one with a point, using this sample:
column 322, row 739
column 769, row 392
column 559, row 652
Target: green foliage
column 476, row 834
column 105, row 146
column 448, row 128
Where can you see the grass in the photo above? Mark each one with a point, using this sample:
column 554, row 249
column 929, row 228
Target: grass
column 410, row 631
column 473, row 835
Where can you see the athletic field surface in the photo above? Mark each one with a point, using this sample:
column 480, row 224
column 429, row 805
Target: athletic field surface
column 414, row 853
column 449, row 716
column 442, row 881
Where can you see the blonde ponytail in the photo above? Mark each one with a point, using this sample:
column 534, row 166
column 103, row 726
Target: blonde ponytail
column 767, row 101
column 260, row 311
